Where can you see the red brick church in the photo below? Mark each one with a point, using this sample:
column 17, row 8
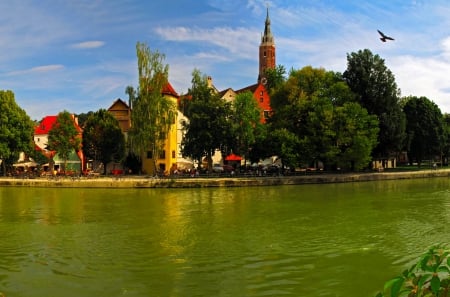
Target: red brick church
column 267, row 60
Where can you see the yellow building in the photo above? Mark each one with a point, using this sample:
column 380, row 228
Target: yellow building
column 167, row 160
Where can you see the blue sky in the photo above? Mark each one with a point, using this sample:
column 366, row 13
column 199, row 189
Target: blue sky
column 80, row 55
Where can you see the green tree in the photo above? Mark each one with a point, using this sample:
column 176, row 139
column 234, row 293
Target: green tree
column 246, row 122
column 306, row 105
column 103, row 139
column 446, row 138
column 275, row 77
column 16, row 130
column 283, row 144
column 356, row 136
column 374, row 84
column 64, row 137
column 209, row 126
column 152, row 113
column 424, row 128
column 82, row 117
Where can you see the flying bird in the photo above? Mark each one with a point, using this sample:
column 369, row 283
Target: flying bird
column 384, row 37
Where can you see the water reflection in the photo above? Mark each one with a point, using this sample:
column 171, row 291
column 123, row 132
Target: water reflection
column 312, row 240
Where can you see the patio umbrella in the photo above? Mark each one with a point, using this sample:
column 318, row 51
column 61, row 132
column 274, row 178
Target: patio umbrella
column 233, row 157
column 184, row 164
column 25, row 164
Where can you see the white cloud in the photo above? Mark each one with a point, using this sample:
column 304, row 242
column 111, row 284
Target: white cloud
column 38, row 69
column 242, row 42
column 88, row 44
column 417, row 76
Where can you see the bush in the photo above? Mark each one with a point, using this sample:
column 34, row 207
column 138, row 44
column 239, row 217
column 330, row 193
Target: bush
column 430, row 277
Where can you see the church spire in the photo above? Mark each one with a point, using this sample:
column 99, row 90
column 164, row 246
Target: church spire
column 267, row 37
column 266, row 50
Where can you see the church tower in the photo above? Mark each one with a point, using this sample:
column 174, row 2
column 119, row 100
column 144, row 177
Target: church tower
column 266, row 51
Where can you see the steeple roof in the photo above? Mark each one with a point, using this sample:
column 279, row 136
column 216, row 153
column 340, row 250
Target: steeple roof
column 267, row 37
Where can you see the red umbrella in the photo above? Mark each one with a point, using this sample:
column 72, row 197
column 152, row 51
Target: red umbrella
column 233, row 157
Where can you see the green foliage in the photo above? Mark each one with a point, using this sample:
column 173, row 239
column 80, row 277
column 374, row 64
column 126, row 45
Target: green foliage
column 246, row 122
column 369, row 78
column 102, row 138
column 283, row 144
column 209, row 126
column 356, row 136
column 64, row 138
column 16, row 130
column 446, row 136
column 275, row 77
column 82, row 118
column 320, row 110
column 429, row 277
column 152, row 113
column 425, row 131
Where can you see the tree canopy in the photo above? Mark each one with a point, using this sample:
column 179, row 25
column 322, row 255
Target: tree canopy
column 319, row 108
column 16, row 130
column 376, row 89
column 246, row 122
column 103, row 139
column 424, row 126
column 209, row 127
column 64, row 137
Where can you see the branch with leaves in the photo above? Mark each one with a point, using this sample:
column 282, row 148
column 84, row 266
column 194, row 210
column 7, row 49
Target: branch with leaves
column 430, row 277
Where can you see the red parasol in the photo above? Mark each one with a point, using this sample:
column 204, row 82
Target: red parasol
column 233, row 157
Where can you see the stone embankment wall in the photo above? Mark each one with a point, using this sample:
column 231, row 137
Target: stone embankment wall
column 141, row 182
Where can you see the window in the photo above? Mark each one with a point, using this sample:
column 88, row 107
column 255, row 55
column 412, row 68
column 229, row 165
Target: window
column 262, row 92
column 173, row 154
column 162, row 154
column 261, row 99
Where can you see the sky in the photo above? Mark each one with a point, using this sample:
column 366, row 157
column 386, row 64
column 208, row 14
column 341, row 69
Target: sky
column 80, row 56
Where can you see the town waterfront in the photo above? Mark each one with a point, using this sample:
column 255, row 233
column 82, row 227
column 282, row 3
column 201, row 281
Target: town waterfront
column 343, row 239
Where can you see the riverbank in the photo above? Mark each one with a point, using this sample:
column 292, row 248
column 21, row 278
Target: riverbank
column 200, row 182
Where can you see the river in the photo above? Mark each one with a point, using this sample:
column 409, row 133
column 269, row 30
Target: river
column 309, row 240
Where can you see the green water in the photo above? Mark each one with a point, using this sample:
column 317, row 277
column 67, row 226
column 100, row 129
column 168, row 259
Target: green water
column 311, row 240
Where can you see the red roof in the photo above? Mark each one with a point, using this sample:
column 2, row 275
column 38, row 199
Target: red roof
column 169, row 90
column 46, row 125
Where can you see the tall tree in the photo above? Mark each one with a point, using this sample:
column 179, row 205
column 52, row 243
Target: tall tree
column 103, row 139
column 152, row 113
column 424, row 127
column 374, row 84
column 275, row 77
column 246, row 122
column 16, row 130
column 64, row 137
column 209, row 126
column 446, row 138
